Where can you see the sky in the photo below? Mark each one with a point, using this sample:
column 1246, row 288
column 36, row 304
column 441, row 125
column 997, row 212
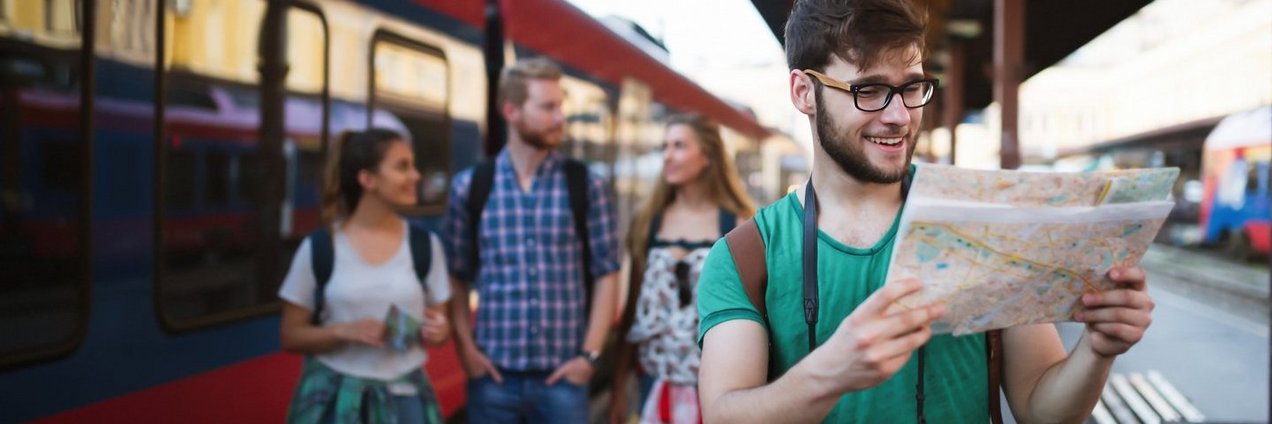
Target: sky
column 724, row 46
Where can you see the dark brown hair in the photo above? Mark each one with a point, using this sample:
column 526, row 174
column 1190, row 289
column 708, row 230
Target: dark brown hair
column 354, row 151
column 860, row 32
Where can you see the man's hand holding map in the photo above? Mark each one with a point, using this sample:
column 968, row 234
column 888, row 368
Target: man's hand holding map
column 1006, row 248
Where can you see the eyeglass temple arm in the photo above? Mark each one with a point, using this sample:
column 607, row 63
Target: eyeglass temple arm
column 826, row 79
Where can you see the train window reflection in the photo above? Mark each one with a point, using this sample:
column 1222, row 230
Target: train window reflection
column 410, row 82
column 221, row 254
column 43, row 155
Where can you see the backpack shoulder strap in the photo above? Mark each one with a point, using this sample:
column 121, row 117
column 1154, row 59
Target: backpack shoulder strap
column 478, row 193
column 994, row 344
column 747, row 249
column 727, row 221
column 321, row 259
column 421, row 243
column 576, row 183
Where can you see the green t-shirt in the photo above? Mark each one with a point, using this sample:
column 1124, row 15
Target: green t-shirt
column 955, row 367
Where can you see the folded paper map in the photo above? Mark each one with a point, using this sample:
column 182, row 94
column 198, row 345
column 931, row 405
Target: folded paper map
column 401, row 329
column 1006, row 248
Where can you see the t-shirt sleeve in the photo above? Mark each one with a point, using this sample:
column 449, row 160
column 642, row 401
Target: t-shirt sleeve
column 721, row 297
column 438, row 279
column 298, row 285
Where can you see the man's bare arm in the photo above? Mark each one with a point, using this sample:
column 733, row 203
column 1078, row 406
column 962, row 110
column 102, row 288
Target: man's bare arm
column 866, row 349
column 1043, row 385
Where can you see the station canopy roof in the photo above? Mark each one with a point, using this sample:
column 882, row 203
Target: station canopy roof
column 1053, row 30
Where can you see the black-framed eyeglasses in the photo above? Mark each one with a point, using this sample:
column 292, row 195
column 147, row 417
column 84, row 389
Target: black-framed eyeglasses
column 874, row 97
column 682, row 283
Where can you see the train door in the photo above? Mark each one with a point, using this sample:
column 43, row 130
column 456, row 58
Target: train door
column 410, row 81
column 45, row 187
column 243, row 118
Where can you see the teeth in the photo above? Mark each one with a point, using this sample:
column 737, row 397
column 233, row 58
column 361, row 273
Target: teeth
column 884, row 140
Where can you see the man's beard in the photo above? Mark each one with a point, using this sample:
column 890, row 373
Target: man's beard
column 850, row 155
column 537, row 139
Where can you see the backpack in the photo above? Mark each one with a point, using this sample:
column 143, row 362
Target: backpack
column 576, row 184
column 322, row 260
column 747, row 248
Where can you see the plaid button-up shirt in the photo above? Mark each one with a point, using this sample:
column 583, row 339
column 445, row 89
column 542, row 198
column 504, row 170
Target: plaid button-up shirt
column 530, row 279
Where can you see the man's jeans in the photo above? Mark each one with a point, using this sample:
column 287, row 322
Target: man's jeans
column 524, row 398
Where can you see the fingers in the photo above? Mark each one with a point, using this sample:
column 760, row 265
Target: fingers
column 1131, row 277
column 878, row 303
column 1119, row 298
column 1135, row 317
column 1124, row 333
column 494, row 373
column 557, row 375
column 897, row 350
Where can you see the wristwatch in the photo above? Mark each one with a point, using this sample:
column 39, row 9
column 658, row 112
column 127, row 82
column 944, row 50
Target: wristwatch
column 590, row 355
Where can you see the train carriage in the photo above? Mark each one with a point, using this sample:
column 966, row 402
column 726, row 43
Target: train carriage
column 161, row 162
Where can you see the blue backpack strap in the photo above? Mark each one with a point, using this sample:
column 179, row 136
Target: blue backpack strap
column 321, row 260
column 728, row 221
column 421, row 244
column 478, row 193
column 576, row 183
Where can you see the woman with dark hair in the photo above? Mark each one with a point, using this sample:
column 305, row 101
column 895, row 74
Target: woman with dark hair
column 362, row 329
column 695, row 202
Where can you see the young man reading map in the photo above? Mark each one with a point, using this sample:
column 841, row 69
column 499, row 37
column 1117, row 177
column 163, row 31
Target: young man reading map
column 856, row 72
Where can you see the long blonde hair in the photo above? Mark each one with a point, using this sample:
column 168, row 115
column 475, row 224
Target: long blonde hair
column 722, row 183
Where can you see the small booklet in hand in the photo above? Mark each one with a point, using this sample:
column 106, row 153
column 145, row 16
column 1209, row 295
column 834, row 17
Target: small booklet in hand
column 401, row 329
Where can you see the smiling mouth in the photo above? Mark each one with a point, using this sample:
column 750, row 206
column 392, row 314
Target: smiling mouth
column 886, row 141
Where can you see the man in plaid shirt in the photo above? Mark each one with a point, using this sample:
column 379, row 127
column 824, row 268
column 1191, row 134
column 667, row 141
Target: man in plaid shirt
column 530, row 350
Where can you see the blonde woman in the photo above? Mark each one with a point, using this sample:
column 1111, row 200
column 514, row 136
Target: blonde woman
column 696, row 201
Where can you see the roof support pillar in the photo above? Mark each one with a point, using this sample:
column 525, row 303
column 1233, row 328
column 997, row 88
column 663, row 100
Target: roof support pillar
column 1009, row 53
column 952, row 100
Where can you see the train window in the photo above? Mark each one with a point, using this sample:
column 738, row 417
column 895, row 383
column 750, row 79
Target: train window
column 44, row 226
column 62, row 16
column 218, row 172
column 198, row 97
column 222, row 254
column 410, row 90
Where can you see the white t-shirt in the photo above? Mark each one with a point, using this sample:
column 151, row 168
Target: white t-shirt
column 358, row 290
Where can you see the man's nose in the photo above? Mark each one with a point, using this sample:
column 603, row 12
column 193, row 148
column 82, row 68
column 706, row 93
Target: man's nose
column 895, row 112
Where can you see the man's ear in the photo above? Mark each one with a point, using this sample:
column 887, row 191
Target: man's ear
column 802, row 95
column 509, row 111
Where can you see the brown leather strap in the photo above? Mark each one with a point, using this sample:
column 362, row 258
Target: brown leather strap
column 747, row 249
column 994, row 340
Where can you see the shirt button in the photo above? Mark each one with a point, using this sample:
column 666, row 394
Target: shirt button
column 530, row 242
column 534, row 330
column 534, row 271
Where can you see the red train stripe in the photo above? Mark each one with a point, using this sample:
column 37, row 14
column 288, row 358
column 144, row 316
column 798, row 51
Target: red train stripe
column 253, row 391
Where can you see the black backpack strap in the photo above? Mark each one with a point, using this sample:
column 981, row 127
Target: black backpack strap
column 576, row 182
column 421, row 243
column 655, row 224
column 321, row 260
column 994, row 344
column 478, row 193
column 727, row 221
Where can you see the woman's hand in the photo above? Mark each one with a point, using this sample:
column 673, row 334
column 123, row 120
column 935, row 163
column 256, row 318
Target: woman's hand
column 436, row 328
column 368, row 332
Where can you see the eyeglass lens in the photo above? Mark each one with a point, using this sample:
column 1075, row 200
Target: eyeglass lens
column 872, row 97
